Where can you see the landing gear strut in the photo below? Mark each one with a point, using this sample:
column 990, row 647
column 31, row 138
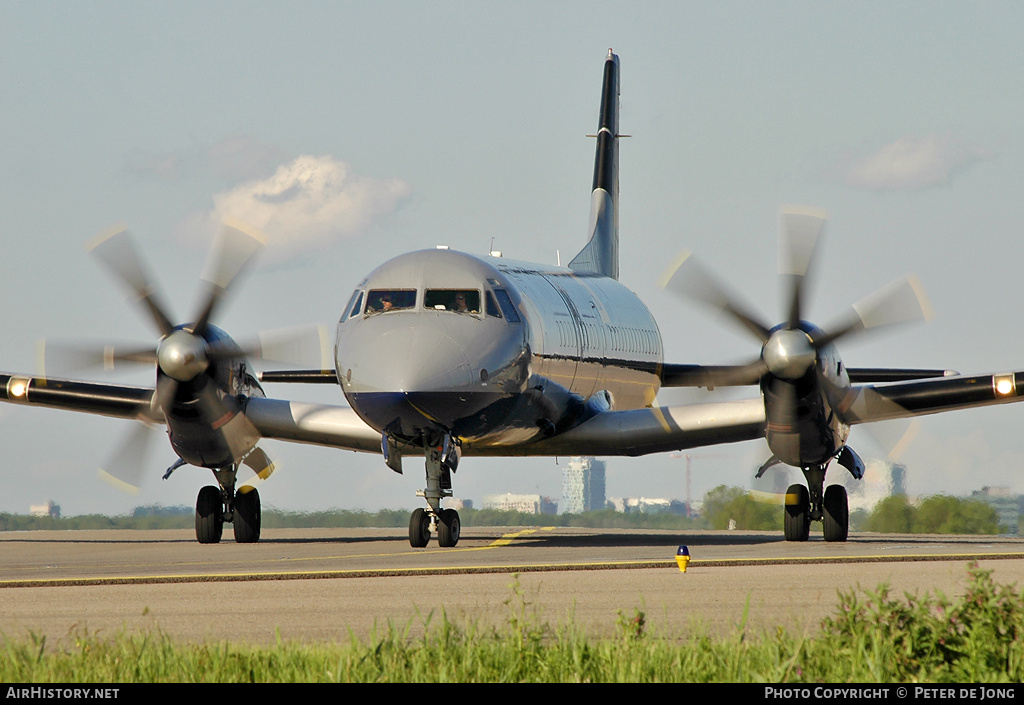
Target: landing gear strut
column 219, row 504
column 442, row 460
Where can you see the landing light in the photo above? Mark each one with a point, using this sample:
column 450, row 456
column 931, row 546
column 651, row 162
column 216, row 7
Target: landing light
column 1004, row 385
column 17, row 388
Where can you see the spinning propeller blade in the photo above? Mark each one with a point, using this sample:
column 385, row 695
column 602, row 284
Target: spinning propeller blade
column 126, row 466
column 792, row 349
column 233, row 253
column 799, row 232
column 186, row 352
column 116, row 250
column 687, row 277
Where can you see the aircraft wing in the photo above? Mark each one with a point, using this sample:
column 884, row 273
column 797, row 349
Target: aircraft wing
column 630, row 432
column 879, row 402
column 643, row 431
column 120, row 401
column 711, row 376
column 319, row 424
column 633, row 432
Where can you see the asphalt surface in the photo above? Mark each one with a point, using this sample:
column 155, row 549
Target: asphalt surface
column 328, row 584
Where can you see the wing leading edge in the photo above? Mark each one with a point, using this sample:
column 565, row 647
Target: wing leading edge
column 880, row 402
column 119, row 401
column 610, row 433
column 710, row 376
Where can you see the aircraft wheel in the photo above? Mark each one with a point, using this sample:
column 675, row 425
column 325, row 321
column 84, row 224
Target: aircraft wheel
column 209, row 515
column 247, row 516
column 798, row 514
column 419, row 528
column 837, row 513
column 449, row 527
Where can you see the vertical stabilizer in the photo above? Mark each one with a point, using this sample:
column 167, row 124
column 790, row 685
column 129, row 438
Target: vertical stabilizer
column 601, row 254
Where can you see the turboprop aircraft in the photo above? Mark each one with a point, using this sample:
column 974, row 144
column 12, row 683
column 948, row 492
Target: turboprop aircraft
column 444, row 355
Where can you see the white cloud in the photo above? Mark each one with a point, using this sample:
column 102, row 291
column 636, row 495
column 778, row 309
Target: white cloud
column 309, row 204
column 911, row 162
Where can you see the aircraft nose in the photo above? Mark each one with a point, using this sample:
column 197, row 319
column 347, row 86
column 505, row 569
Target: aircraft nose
column 446, row 373
column 399, row 356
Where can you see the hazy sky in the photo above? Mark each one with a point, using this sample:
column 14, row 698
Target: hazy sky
column 352, row 131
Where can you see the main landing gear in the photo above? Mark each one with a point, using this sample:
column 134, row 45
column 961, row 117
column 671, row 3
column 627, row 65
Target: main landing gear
column 807, row 504
column 219, row 504
column 446, row 524
column 442, row 460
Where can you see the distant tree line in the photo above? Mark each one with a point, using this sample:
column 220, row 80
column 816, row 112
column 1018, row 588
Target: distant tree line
column 723, row 506
column 937, row 514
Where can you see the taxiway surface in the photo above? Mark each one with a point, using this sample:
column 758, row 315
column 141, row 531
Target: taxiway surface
column 323, row 584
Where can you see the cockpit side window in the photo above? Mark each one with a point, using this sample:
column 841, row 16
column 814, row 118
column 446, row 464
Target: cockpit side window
column 492, row 306
column 383, row 300
column 507, row 307
column 458, row 300
column 355, row 304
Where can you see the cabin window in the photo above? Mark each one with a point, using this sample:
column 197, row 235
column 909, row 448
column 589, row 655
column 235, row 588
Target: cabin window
column 458, row 300
column 507, row 307
column 383, row 300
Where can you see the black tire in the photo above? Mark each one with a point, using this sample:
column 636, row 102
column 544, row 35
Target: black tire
column 798, row 514
column 209, row 515
column 419, row 528
column 247, row 516
column 449, row 527
column 837, row 514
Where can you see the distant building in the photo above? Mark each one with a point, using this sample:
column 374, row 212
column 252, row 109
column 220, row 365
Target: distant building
column 525, row 503
column 50, row 509
column 1006, row 504
column 881, row 479
column 454, row 503
column 583, row 486
column 647, row 505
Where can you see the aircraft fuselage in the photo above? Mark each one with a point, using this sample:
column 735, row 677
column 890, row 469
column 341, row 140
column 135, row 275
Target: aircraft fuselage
column 536, row 350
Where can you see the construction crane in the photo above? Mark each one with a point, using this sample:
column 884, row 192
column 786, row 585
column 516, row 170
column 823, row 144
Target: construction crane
column 689, row 460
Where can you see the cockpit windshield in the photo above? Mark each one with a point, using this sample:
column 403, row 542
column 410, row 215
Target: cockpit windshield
column 458, row 300
column 383, row 300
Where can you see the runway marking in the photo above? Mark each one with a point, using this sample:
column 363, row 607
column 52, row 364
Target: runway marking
column 523, row 568
column 507, row 539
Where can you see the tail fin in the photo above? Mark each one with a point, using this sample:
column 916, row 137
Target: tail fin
column 601, row 254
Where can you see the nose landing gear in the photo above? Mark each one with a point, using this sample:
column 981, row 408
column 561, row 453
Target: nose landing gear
column 441, row 461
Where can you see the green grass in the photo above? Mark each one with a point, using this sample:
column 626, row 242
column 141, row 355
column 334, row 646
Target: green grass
column 871, row 637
